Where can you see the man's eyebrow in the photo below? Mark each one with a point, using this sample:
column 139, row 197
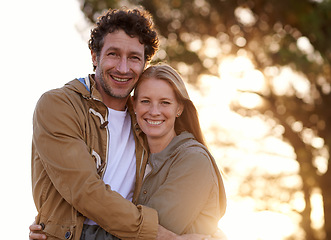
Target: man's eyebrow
column 137, row 53
column 112, row 48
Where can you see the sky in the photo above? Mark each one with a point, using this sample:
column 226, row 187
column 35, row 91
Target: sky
column 43, row 46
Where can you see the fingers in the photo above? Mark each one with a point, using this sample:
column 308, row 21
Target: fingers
column 220, row 235
column 35, row 227
column 207, row 237
column 36, row 236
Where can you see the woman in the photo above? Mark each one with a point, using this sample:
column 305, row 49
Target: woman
column 182, row 181
column 184, row 185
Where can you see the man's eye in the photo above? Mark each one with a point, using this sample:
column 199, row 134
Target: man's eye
column 111, row 54
column 135, row 58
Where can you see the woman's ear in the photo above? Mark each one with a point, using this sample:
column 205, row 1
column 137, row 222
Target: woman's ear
column 180, row 109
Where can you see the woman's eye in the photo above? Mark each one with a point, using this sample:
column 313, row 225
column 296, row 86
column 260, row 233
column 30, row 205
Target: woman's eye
column 144, row 101
column 165, row 102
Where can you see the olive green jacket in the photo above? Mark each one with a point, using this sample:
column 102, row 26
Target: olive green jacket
column 185, row 187
column 69, row 157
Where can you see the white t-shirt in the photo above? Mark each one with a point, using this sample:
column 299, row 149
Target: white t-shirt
column 120, row 171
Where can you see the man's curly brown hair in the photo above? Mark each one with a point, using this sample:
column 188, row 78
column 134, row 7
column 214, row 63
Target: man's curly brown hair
column 135, row 23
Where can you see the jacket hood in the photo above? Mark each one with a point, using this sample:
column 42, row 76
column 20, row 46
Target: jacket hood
column 187, row 140
column 177, row 143
column 85, row 86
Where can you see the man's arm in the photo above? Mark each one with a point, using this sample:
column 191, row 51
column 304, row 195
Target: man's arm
column 60, row 145
column 163, row 234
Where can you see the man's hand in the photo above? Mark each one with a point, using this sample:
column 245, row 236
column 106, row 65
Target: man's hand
column 220, row 235
column 164, row 234
column 33, row 235
column 201, row 237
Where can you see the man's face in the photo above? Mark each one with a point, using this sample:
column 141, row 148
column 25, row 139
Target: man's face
column 119, row 65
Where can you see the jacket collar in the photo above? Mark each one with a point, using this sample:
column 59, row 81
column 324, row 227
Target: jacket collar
column 157, row 160
column 86, row 87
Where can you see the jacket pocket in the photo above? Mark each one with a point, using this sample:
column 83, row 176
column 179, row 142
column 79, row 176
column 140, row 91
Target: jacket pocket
column 58, row 231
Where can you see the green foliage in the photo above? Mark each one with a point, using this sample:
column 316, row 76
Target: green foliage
column 268, row 31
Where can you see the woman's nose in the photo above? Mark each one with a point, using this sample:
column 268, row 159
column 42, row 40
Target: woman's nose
column 154, row 109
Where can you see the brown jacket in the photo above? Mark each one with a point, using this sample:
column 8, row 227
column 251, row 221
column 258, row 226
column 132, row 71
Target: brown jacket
column 69, row 149
column 185, row 187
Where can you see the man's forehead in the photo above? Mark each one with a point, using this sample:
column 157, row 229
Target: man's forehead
column 120, row 40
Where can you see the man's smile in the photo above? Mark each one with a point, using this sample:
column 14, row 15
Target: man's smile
column 120, row 79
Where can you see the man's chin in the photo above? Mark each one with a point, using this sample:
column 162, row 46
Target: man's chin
column 119, row 95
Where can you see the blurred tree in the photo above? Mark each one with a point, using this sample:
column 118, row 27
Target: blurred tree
column 197, row 35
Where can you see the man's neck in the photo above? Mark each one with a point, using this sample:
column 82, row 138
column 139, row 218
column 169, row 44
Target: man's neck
column 117, row 104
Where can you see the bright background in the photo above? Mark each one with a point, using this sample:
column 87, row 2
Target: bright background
column 41, row 49
column 43, row 46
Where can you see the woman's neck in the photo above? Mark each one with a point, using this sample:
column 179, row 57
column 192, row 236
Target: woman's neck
column 157, row 145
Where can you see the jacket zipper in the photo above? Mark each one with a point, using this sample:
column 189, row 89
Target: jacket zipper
column 88, row 83
column 141, row 160
column 106, row 161
column 148, row 174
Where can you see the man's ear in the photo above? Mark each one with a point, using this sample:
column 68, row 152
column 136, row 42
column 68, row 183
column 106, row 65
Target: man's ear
column 94, row 58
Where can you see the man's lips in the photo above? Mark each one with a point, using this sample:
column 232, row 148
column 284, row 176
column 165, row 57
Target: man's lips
column 119, row 79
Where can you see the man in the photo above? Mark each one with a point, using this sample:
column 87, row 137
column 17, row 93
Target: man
column 71, row 144
column 82, row 139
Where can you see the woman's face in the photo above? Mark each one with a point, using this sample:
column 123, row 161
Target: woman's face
column 156, row 109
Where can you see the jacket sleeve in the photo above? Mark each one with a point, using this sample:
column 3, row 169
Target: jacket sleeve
column 189, row 191
column 58, row 136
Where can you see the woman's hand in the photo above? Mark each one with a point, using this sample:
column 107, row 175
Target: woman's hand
column 33, row 235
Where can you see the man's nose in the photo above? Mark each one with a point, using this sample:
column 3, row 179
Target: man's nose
column 122, row 65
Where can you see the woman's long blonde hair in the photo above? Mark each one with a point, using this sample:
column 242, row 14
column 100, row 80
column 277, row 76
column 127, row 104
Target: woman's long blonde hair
column 188, row 120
